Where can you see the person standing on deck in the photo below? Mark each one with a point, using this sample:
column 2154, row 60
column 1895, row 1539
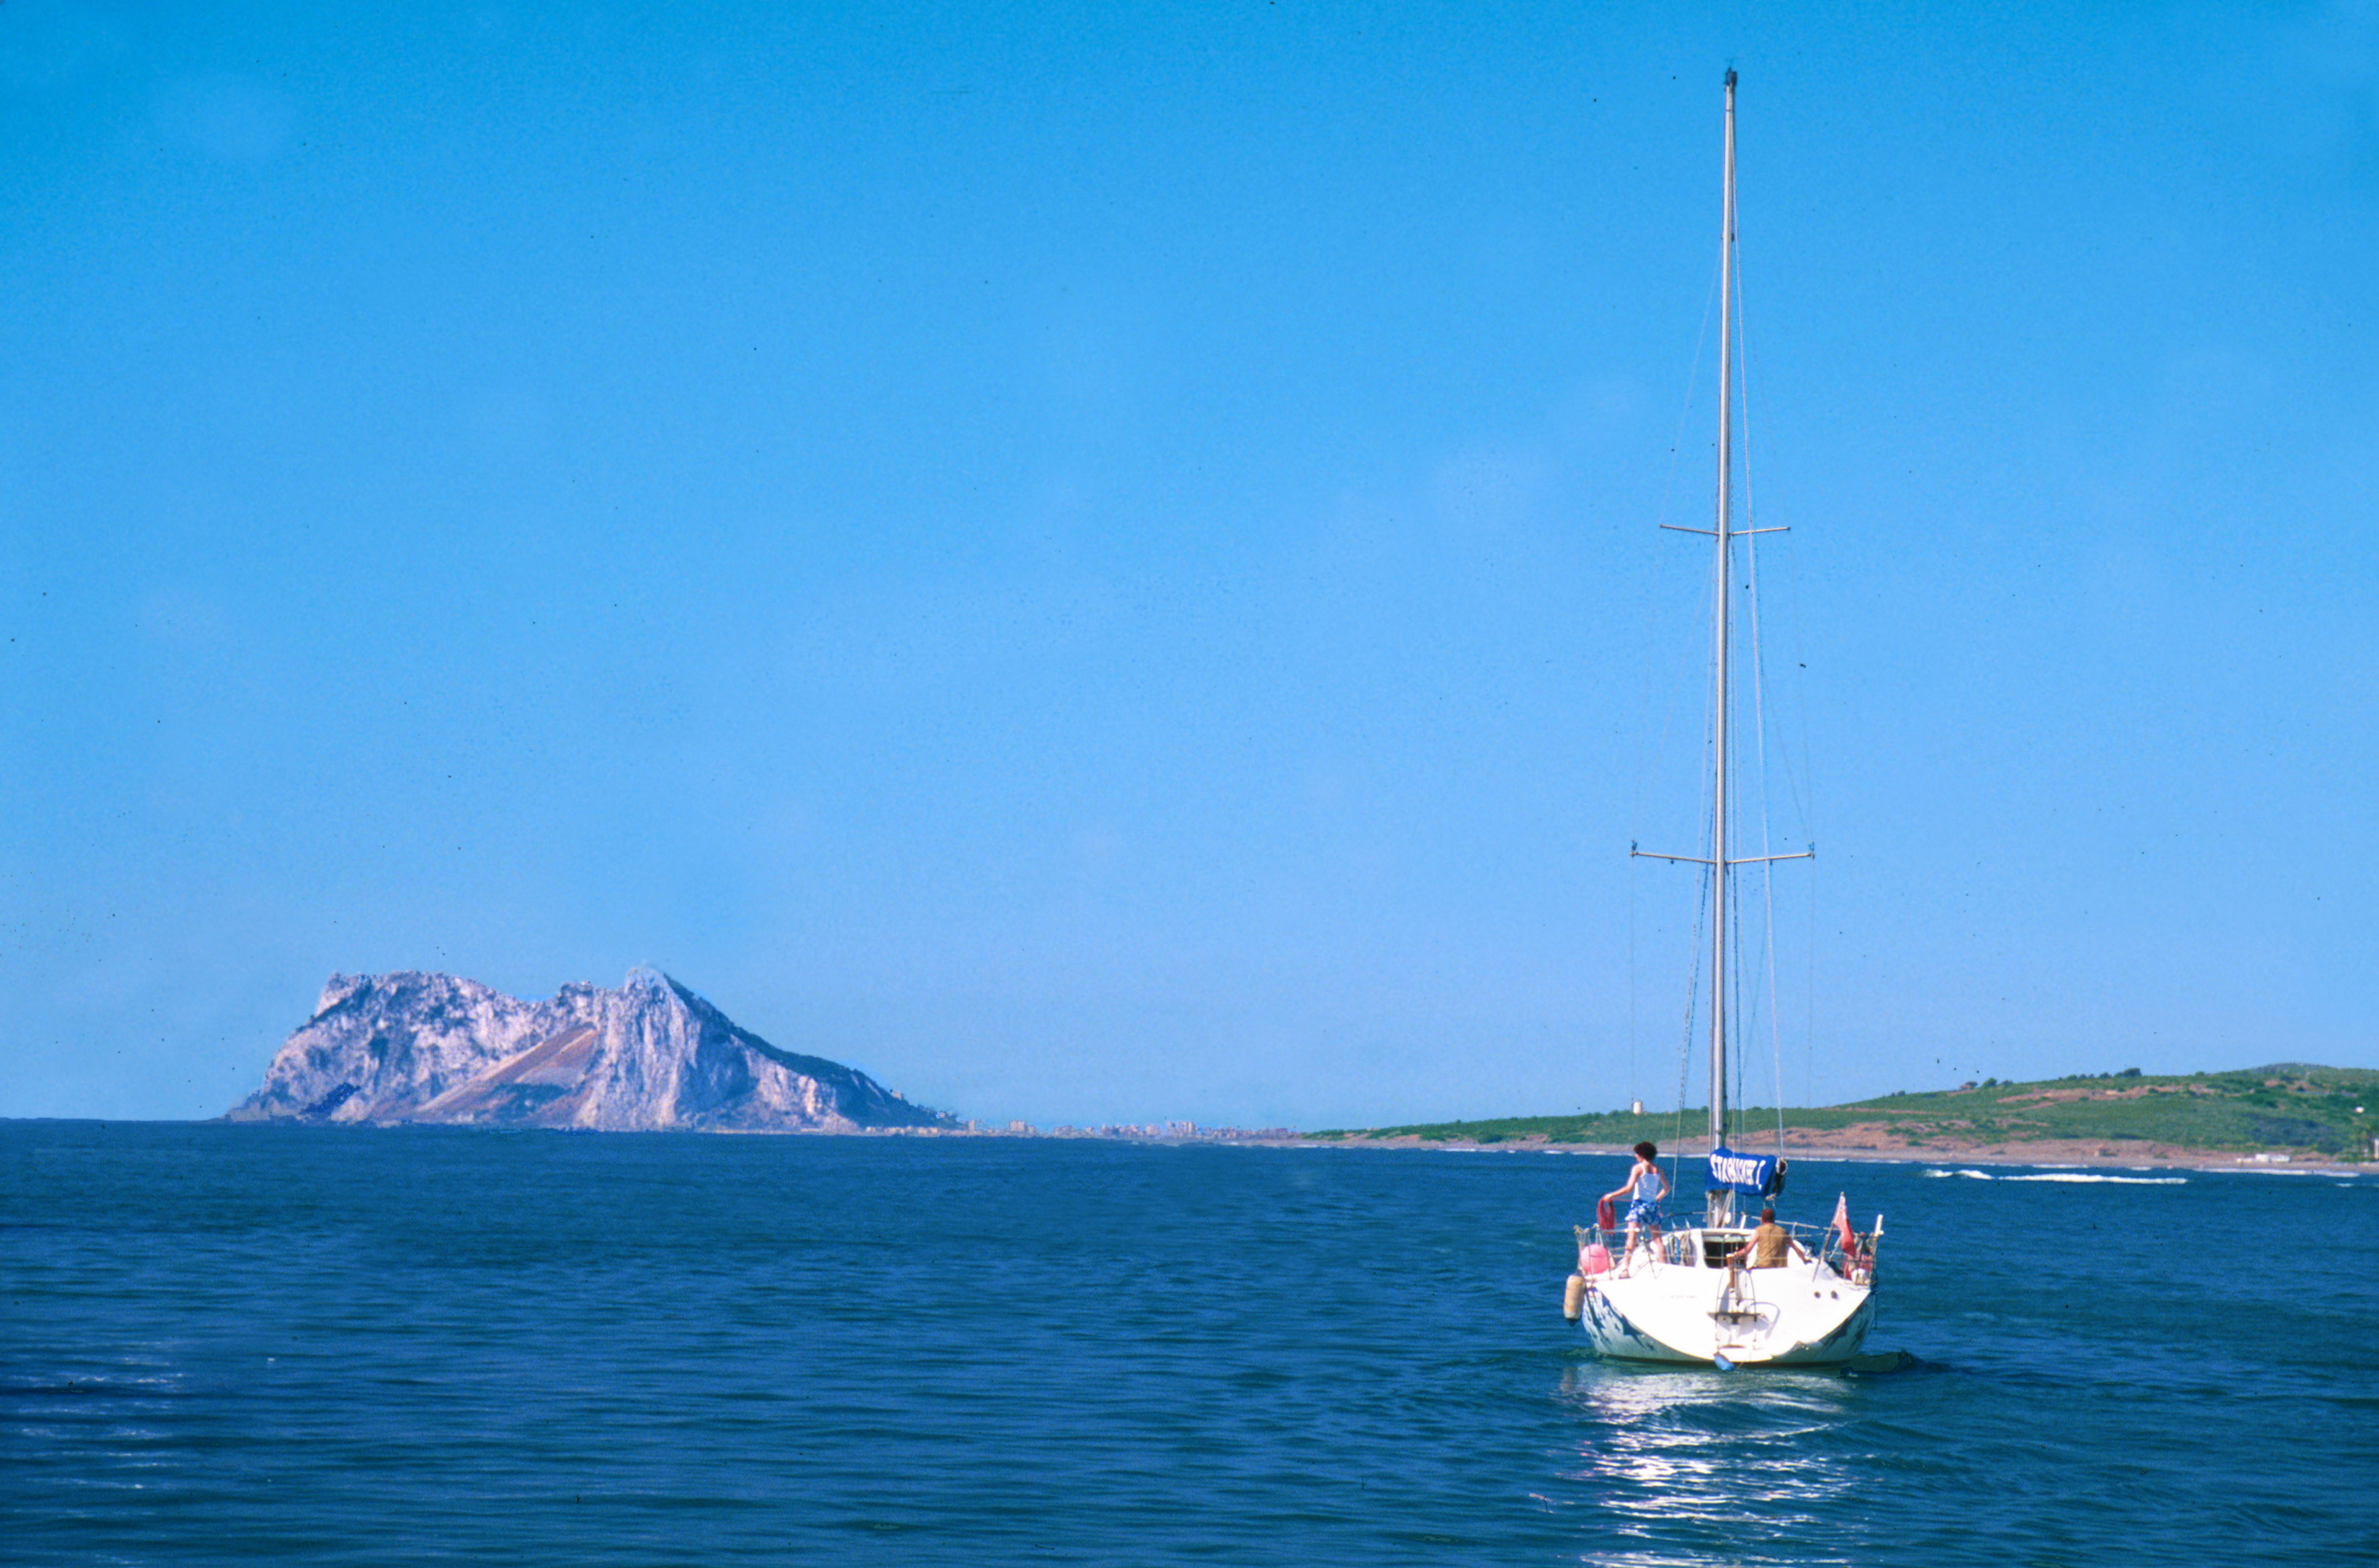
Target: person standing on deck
column 1644, row 1189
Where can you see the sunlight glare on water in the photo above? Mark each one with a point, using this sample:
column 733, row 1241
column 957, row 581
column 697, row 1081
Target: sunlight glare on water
column 1741, row 1462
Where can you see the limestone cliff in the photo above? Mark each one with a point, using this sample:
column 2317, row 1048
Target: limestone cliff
column 417, row 1047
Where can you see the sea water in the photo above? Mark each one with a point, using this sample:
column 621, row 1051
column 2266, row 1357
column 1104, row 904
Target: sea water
column 239, row 1343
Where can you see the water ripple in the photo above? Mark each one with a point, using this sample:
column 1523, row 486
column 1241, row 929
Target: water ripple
column 224, row 1344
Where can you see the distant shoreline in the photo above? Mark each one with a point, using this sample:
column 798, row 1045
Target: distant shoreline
column 2283, row 1115
column 2078, row 1154
column 2089, row 1154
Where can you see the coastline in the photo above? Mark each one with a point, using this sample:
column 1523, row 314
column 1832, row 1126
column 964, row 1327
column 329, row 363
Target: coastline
column 2084, row 1153
column 1823, row 1148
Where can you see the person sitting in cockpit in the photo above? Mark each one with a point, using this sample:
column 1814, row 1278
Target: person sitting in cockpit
column 1770, row 1246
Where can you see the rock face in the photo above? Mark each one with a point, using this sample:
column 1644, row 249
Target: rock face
column 415, row 1047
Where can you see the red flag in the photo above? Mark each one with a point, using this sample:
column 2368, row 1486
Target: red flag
column 1842, row 1223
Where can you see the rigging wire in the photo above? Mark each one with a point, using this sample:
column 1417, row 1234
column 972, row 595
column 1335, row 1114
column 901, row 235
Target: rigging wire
column 1734, row 977
column 1809, row 1036
column 1739, row 1013
column 1706, row 815
column 1759, row 720
column 1644, row 685
column 1793, row 778
column 1759, row 745
column 1686, row 1056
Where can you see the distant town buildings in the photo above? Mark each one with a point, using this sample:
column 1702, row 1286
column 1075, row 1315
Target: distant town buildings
column 1143, row 1132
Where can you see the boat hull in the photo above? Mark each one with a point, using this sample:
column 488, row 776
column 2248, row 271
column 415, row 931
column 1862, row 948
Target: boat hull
column 1800, row 1315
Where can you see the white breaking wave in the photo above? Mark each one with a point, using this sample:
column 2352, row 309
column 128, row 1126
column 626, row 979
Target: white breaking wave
column 2070, row 1176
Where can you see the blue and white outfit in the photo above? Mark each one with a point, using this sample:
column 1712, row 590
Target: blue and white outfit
column 1644, row 1203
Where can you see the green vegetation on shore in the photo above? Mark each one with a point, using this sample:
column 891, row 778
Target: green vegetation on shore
column 2288, row 1105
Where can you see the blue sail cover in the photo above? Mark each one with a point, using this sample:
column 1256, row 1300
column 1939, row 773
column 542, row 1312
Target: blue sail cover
column 1751, row 1175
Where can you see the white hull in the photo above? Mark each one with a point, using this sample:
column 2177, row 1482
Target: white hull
column 1676, row 1308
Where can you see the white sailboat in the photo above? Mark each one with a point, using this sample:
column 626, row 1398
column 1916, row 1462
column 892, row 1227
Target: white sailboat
column 1672, row 1294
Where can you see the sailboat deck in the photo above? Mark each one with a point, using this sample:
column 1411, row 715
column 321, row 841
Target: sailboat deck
column 1707, row 1247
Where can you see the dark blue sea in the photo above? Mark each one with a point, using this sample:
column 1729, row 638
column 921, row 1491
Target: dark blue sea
column 237, row 1345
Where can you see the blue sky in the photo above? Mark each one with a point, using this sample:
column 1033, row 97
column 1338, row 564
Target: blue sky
column 1101, row 562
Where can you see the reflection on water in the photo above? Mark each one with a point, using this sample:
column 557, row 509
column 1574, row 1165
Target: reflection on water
column 1686, row 1464
column 227, row 1344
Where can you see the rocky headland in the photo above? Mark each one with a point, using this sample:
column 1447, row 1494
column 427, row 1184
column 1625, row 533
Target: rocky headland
column 649, row 1057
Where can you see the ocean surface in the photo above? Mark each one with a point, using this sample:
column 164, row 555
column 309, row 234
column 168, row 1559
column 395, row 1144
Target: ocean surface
column 237, row 1345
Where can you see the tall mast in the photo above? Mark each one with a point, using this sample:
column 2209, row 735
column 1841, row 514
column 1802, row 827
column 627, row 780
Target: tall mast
column 1722, row 533
column 1722, row 1204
